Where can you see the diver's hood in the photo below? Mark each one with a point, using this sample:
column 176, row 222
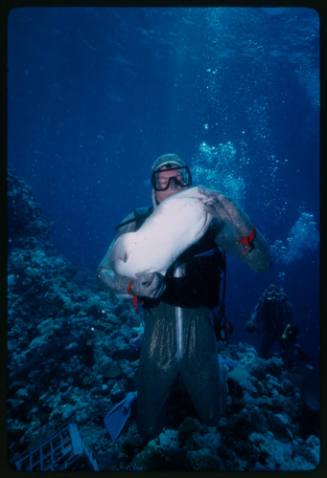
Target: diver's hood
column 153, row 197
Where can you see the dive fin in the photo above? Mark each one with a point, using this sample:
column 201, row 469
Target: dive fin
column 117, row 417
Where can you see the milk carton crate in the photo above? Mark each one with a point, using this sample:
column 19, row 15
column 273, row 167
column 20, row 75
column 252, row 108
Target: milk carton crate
column 65, row 450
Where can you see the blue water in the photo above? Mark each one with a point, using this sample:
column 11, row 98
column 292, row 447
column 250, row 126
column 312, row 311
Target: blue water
column 96, row 94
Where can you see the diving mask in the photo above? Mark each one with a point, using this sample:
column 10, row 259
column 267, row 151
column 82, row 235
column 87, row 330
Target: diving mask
column 161, row 182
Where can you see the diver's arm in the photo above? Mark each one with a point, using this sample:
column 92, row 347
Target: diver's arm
column 106, row 273
column 237, row 235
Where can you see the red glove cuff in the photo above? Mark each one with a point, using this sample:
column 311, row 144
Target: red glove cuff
column 247, row 241
column 129, row 287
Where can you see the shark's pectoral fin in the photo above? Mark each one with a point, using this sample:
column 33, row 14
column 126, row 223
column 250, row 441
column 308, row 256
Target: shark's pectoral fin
column 218, row 205
column 211, row 206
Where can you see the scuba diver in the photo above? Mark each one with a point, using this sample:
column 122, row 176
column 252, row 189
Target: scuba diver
column 273, row 320
column 182, row 311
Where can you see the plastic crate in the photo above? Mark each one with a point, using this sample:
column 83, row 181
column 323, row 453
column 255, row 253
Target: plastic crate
column 65, row 450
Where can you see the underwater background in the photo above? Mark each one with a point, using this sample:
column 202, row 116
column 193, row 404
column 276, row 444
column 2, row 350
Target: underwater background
column 96, row 94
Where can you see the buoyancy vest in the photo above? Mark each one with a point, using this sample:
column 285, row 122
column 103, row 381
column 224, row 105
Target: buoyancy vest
column 203, row 264
column 204, row 268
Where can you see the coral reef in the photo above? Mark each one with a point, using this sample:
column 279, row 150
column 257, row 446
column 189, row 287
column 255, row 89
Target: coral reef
column 73, row 353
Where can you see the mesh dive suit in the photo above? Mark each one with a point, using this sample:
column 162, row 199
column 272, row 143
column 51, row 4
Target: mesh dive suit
column 179, row 337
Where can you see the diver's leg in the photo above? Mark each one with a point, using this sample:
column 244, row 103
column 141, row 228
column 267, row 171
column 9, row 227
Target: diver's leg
column 200, row 372
column 266, row 344
column 153, row 390
column 157, row 372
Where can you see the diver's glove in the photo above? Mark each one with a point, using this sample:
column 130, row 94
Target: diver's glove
column 149, row 284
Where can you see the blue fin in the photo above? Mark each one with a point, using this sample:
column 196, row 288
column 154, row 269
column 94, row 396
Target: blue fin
column 117, row 417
